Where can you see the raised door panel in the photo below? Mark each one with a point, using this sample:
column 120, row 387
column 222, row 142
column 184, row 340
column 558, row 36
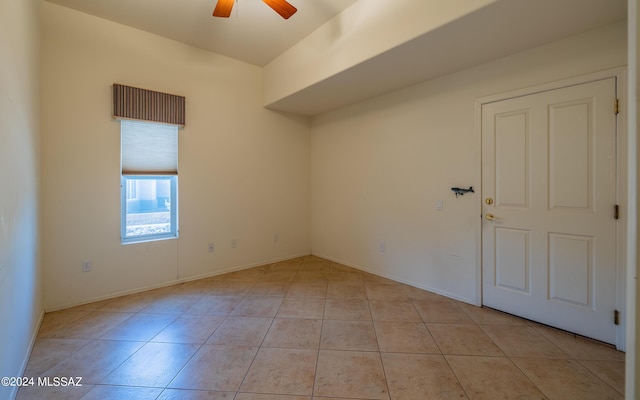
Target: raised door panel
column 511, row 159
column 512, row 264
column 571, row 155
column 571, row 269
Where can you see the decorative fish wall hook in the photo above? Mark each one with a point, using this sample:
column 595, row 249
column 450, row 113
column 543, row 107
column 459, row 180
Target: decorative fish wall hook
column 461, row 192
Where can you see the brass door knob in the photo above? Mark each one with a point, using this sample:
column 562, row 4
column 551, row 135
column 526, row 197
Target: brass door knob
column 489, row 217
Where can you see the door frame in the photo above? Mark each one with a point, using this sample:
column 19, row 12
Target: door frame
column 621, row 180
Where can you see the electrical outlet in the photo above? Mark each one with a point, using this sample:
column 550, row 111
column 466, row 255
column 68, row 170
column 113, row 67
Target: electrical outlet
column 211, row 247
column 382, row 247
column 276, row 237
column 234, row 243
column 86, row 266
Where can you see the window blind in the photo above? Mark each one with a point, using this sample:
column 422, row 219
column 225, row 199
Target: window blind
column 149, row 148
column 147, row 105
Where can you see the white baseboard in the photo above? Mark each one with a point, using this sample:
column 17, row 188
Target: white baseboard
column 171, row 283
column 401, row 280
column 25, row 360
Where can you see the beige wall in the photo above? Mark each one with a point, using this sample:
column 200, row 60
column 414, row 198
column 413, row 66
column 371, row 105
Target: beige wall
column 20, row 283
column 632, row 378
column 364, row 30
column 243, row 170
column 636, row 359
column 380, row 166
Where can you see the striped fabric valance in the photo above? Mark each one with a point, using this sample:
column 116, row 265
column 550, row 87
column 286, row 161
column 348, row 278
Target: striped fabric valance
column 147, row 105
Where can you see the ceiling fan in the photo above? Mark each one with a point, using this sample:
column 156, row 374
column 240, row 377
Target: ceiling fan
column 282, row 7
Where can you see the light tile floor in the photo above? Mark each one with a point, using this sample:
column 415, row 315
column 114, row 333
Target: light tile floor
column 308, row 329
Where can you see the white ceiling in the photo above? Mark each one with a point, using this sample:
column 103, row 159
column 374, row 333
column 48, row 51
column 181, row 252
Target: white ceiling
column 254, row 33
column 257, row 35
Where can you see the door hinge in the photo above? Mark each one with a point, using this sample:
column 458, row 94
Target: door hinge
column 616, row 317
column 616, row 106
column 616, row 212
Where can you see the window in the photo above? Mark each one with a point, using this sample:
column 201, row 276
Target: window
column 149, row 162
column 149, row 181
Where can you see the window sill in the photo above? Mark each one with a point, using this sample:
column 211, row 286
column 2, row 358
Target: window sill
column 147, row 239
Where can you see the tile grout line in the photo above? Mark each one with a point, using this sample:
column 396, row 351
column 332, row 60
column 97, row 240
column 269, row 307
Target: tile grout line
column 204, row 343
column 315, row 371
column 597, row 376
column 261, row 342
column 259, row 347
column 254, row 281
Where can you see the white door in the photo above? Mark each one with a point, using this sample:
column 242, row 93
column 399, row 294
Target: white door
column 549, row 182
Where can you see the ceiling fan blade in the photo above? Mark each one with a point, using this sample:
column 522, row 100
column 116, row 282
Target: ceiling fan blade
column 223, row 8
column 282, row 7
